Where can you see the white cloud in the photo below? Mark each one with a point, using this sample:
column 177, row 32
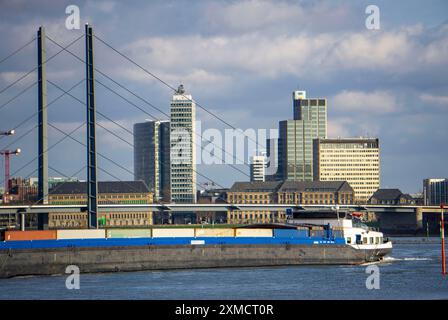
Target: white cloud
column 441, row 100
column 339, row 127
column 287, row 17
column 301, row 54
column 368, row 51
column 376, row 102
column 10, row 77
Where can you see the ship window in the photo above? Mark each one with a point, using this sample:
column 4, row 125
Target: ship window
column 371, row 240
column 364, row 240
column 349, row 240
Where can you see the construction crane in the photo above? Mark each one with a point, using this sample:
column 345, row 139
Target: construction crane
column 7, row 154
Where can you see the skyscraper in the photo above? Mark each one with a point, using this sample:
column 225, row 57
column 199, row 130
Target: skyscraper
column 295, row 143
column 152, row 157
column 435, row 192
column 183, row 151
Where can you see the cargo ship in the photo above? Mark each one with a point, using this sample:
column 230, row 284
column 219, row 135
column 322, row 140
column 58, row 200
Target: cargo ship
column 305, row 242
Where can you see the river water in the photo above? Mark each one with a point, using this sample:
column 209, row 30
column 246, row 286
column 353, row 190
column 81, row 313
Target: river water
column 411, row 272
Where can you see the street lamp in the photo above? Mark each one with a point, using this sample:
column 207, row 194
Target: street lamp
column 7, row 133
column 336, row 208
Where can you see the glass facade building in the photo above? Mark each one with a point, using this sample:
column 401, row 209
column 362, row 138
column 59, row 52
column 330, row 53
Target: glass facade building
column 152, row 157
column 435, row 192
column 183, row 151
column 295, row 143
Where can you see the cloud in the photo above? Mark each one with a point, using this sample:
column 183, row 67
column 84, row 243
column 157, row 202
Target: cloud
column 440, row 100
column 376, row 102
column 370, row 51
column 287, row 17
column 252, row 14
column 10, row 77
column 241, row 60
column 102, row 6
column 392, row 52
column 339, row 127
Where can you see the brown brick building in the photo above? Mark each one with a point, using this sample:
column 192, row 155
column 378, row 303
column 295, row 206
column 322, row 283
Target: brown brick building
column 288, row 192
column 109, row 192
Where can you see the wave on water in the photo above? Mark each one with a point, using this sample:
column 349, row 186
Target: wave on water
column 392, row 259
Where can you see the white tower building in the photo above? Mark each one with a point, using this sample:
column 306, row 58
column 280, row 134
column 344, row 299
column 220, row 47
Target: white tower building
column 183, row 151
column 258, row 168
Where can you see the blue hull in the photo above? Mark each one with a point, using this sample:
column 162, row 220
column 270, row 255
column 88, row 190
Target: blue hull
column 123, row 242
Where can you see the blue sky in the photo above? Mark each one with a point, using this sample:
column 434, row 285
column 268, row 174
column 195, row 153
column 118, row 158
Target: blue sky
column 241, row 60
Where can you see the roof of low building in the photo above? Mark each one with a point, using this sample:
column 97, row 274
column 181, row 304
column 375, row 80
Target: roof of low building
column 291, row 186
column 387, row 194
column 103, row 187
column 315, row 186
column 257, row 186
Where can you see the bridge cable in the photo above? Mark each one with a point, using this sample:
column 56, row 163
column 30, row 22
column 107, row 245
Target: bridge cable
column 167, row 84
column 114, row 134
column 17, row 51
column 150, row 104
column 34, row 114
column 35, row 68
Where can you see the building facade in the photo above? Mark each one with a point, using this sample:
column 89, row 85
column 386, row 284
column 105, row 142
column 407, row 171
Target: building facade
column 109, row 192
column 435, row 192
column 391, row 196
column 257, row 168
column 287, row 192
column 355, row 160
column 315, row 192
column 183, row 148
column 295, row 143
column 254, row 193
column 152, row 157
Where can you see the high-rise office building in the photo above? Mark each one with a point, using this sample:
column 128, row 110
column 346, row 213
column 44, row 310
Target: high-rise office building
column 435, row 192
column 183, row 148
column 152, row 157
column 258, row 168
column 355, row 160
column 295, row 143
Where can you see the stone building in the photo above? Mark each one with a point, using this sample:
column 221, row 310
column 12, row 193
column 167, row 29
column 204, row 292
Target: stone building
column 254, row 193
column 110, row 192
column 284, row 192
column 316, row 192
column 391, row 196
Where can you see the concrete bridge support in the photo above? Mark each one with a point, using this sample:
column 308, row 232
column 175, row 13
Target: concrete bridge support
column 419, row 218
column 400, row 222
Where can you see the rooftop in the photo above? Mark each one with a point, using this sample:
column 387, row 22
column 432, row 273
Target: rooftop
column 388, row 194
column 315, row 186
column 256, row 186
column 291, row 186
column 103, row 187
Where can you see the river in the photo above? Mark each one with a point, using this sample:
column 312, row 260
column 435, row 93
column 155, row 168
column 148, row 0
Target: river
column 411, row 272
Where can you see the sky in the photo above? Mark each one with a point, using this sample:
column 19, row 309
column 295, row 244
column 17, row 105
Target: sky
column 240, row 60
